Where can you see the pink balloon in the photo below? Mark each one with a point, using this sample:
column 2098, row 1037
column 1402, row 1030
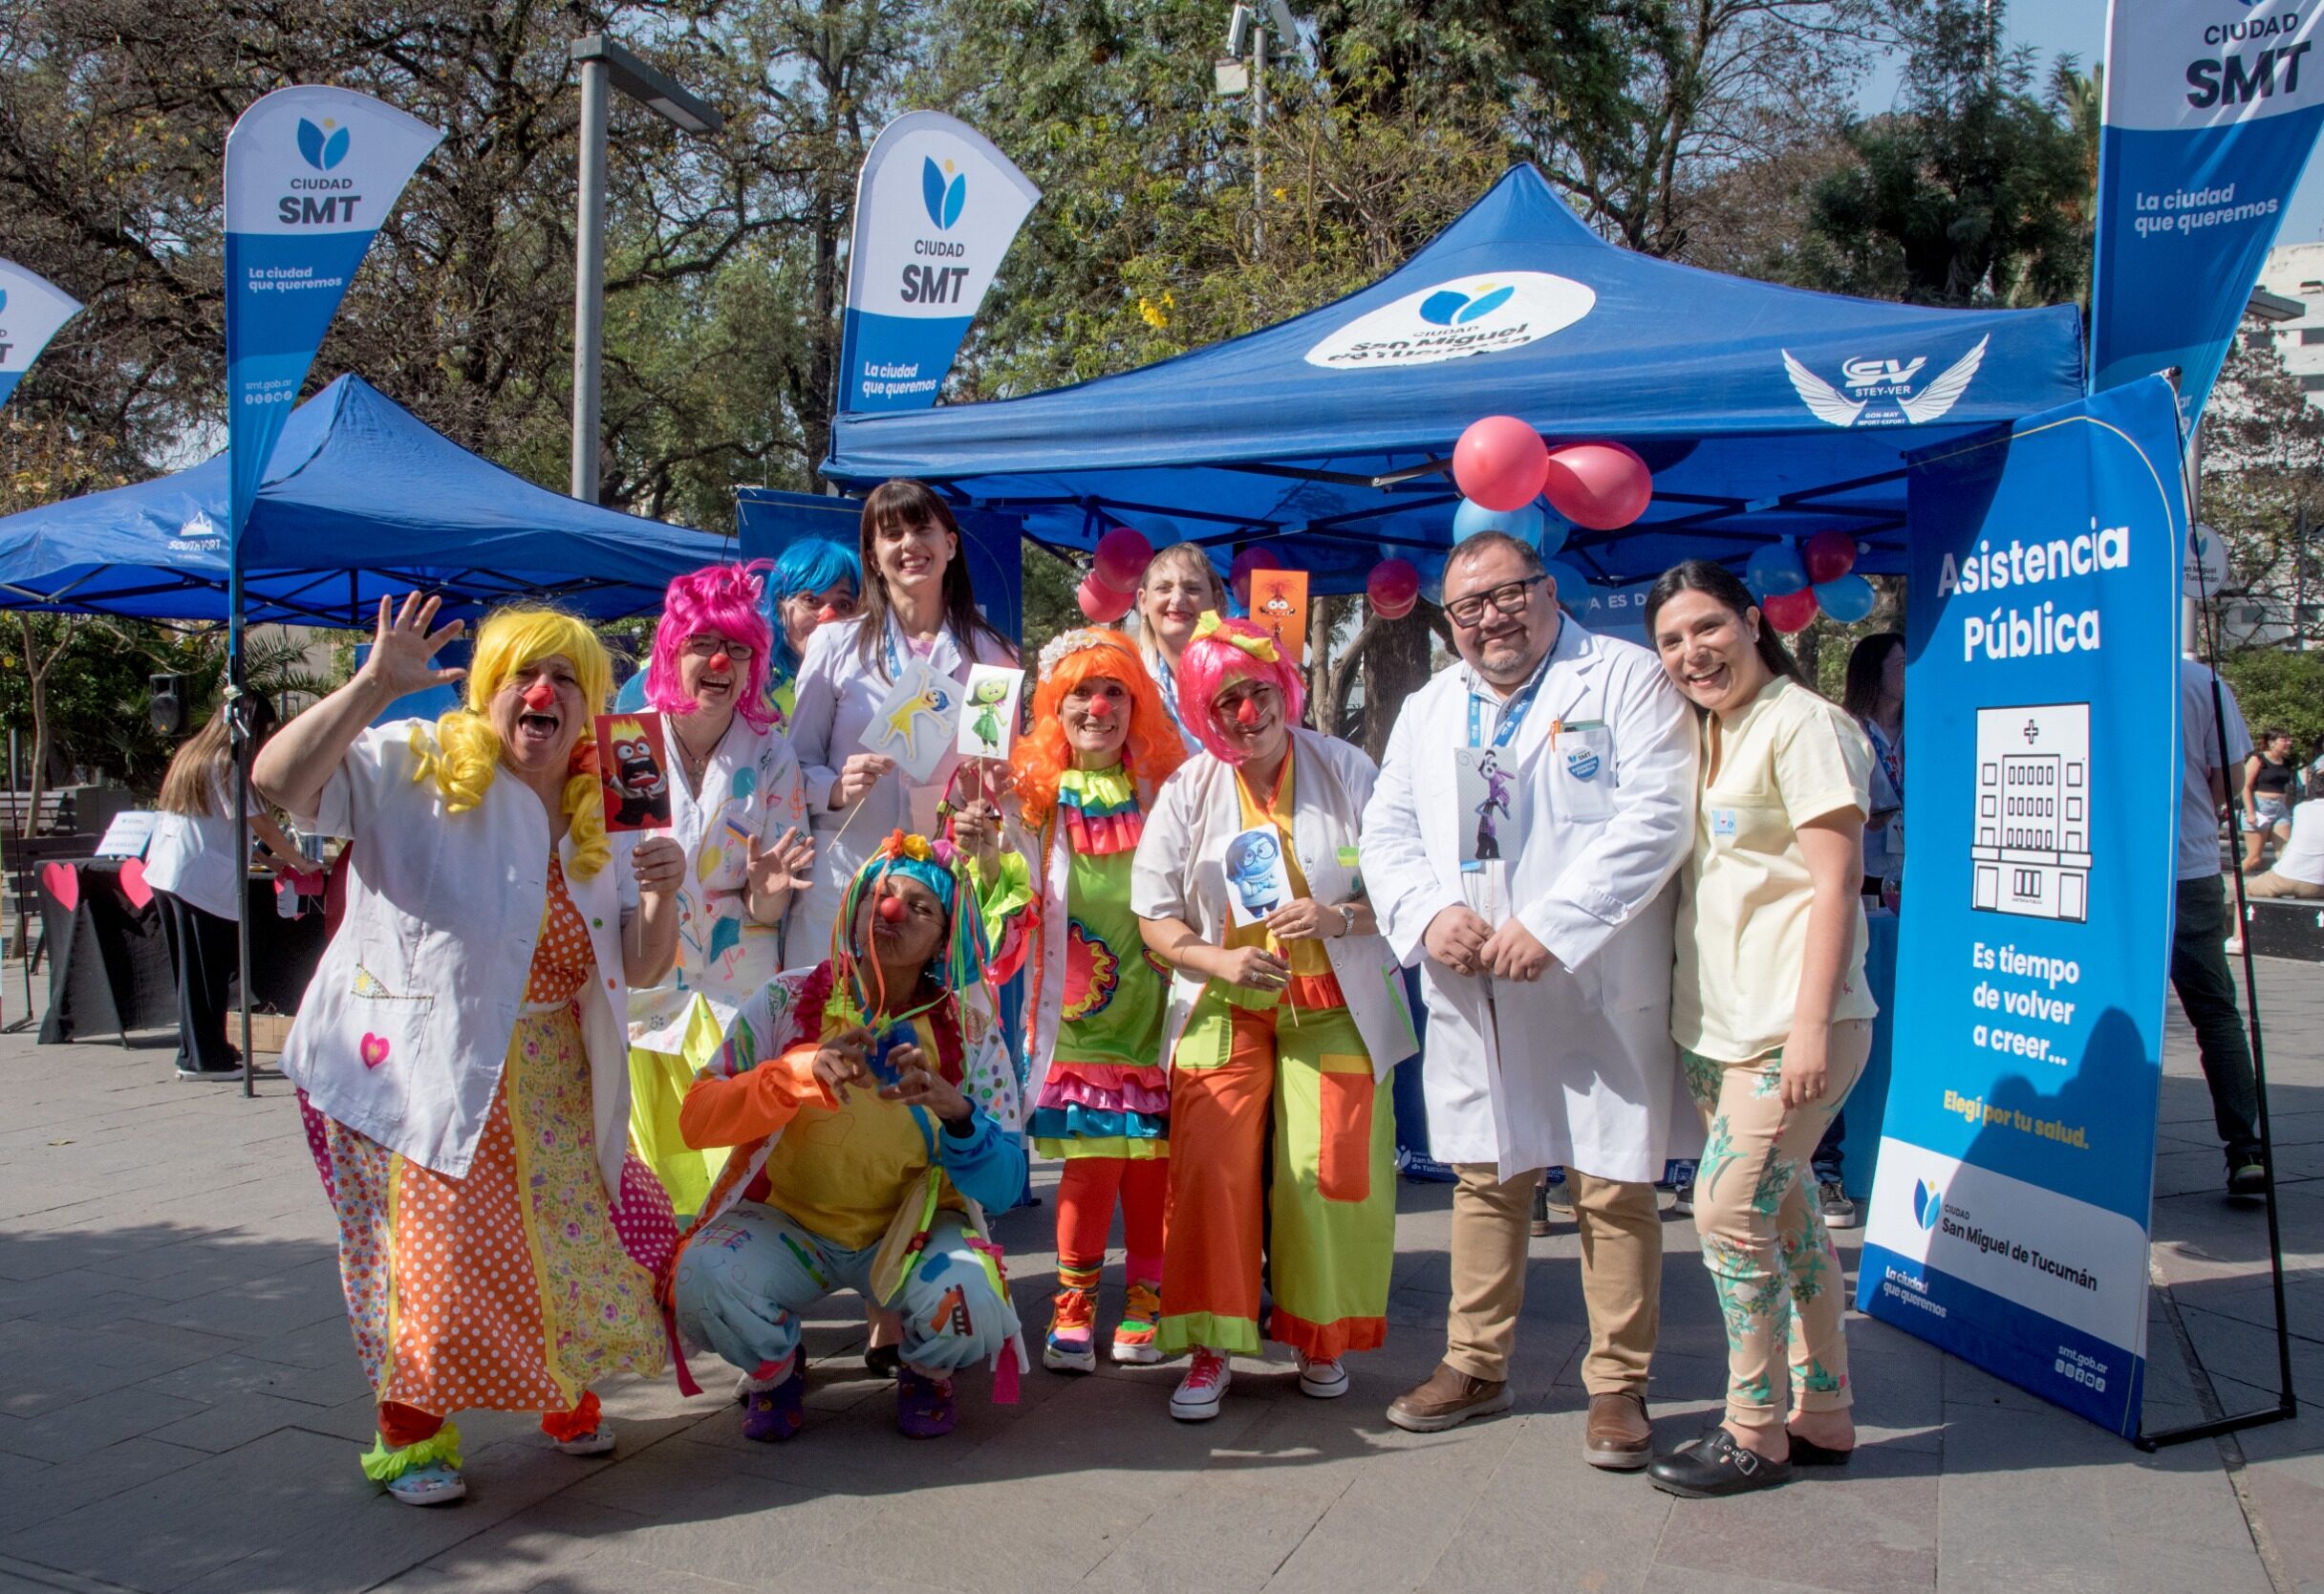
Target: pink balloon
column 1829, row 555
column 1498, row 463
column 1789, row 612
column 1602, row 486
column 1100, row 603
column 1121, row 557
column 1260, row 557
column 1393, row 587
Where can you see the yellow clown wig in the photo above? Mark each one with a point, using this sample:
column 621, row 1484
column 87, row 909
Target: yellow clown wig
column 466, row 753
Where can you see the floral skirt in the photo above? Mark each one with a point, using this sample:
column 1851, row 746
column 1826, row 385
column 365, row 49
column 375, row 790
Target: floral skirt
column 514, row 1287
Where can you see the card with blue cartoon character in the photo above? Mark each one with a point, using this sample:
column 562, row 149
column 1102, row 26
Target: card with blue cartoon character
column 1256, row 881
column 915, row 724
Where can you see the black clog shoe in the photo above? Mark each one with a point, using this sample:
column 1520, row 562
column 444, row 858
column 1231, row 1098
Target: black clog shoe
column 1714, row 1467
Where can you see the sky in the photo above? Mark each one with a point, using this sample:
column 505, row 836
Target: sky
column 2079, row 27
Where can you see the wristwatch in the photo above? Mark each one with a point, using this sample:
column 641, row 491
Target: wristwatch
column 1347, row 918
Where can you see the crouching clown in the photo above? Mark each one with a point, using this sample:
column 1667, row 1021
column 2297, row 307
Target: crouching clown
column 871, row 1111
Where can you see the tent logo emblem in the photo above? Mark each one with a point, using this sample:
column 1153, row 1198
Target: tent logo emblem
column 1450, row 308
column 1455, row 319
column 1927, row 1205
column 943, row 190
column 1882, row 389
column 321, row 147
column 200, row 534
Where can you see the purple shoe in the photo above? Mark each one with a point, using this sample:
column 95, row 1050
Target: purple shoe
column 773, row 1415
column 923, row 1405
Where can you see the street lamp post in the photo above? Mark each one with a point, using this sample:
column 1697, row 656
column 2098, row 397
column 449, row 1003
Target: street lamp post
column 1252, row 22
column 606, row 66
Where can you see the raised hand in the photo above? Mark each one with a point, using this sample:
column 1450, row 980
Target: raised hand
column 402, row 646
column 786, row 864
column 857, row 776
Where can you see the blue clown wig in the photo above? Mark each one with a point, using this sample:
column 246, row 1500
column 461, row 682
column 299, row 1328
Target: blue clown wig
column 808, row 565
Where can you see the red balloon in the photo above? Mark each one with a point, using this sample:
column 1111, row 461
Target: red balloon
column 1260, row 557
column 1393, row 587
column 1789, row 612
column 1829, row 555
column 1602, row 486
column 1121, row 557
column 1498, row 463
column 1100, row 603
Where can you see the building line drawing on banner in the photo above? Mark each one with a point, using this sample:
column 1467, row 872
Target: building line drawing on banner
column 2032, row 829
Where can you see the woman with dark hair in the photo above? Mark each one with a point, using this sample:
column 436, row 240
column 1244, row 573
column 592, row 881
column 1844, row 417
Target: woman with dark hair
column 2270, row 787
column 1773, row 1019
column 916, row 605
column 1873, row 694
column 198, row 883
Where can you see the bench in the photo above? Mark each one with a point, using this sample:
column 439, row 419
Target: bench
column 2284, row 927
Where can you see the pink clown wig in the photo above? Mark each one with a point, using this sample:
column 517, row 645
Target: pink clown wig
column 723, row 600
column 1221, row 653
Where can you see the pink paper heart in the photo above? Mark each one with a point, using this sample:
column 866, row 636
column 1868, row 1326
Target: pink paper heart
column 63, row 883
column 133, row 882
column 374, row 1049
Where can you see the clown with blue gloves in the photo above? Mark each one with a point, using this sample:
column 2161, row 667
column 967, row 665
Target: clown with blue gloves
column 872, row 1113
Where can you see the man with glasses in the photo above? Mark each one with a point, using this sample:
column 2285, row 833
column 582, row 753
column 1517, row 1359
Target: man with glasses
column 1546, row 969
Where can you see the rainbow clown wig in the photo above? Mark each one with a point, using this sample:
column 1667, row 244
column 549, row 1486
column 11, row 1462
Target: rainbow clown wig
column 1221, row 653
column 1073, row 659
column 465, row 754
column 723, row 600
column 936, row 864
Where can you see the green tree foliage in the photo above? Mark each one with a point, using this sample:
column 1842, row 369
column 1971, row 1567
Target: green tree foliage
column 2280, row 691
column 2263, row 493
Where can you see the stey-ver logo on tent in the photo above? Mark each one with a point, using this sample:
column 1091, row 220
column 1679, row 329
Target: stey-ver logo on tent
column 1878, row 390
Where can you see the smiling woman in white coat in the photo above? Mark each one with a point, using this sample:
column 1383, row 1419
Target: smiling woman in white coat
column 916, row 604
column 1545, row 962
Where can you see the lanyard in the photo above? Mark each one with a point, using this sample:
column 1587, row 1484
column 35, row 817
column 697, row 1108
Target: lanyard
column 1166, row 680
column 1513, row 714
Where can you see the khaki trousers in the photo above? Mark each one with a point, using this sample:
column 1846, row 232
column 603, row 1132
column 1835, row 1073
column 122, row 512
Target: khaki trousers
column 1621, row 1274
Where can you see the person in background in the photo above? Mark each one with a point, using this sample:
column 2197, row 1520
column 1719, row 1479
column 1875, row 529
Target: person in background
column 2270, row 783
column 461, row 1055
column 2299, row 863
column 1179, row 586
column 1873, row 695
column 1099, row 1093
column 198, row 887
column 1547, row 972
column 2199, row 929
column 813, row 583
column 1773, row 1021
column 738, row 807
column 917, row 604
column 863, row 1157
column 1288, row 1023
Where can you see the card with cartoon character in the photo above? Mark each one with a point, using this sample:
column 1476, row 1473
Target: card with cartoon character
column 988, row 713
column 917, row 721
column 1256, row 881
column 1278, row 602
column 1482, row 782
column 633, row 768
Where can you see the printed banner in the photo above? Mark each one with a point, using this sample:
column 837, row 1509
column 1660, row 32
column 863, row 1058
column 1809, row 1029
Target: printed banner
column 936, row 211
column 31, row 311
column 310, row 175
column 2211, row 110
column 2008, row 1222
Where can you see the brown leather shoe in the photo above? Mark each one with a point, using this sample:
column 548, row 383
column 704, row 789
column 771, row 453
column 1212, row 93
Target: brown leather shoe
column 1446, row 1400
column 1618, row 1437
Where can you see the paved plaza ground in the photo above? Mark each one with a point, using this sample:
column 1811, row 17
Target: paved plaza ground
column 179, row 1410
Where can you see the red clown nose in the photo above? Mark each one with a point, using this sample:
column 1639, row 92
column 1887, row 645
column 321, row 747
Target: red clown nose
column 892, row 908
column 826, row 615
column 539, row 696
column 719, row 662
column 1246, row 714
column 1099, row 708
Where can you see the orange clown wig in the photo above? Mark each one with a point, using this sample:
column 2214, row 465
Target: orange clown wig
column 1152, row 748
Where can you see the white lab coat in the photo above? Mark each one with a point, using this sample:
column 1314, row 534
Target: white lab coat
column 403, row 1030
column 837, row 692
column 1180, row 873
column 1576, row 1068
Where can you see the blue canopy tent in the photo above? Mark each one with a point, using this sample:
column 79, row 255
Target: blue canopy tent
column 362, row 499
column 1764, row 412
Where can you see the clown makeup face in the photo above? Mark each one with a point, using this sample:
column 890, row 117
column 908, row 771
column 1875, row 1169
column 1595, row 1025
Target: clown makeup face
column 900, row 925
column 1096, row 717
column 803, row 611
column 538, row 715
column 713, row 671
column 1173, row 597
column 1249, row 715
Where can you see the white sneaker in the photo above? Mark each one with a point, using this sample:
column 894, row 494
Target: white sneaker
column 1205, row 1385
column 1323, row 1380
column 600, row 1441
column 435, row 1484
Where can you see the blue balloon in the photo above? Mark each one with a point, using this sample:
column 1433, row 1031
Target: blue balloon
column 1847, row 598
column 1555, row 529
column 1573, row 587
column 1523, row 522
column 1776, row 570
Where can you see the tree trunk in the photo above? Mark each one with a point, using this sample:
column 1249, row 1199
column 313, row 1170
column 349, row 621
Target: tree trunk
column 1395, row 666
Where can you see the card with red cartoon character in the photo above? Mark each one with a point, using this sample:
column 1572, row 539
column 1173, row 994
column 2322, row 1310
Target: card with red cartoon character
column 633, row 769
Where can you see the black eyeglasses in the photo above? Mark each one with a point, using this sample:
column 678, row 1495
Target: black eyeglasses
column 702, row 644
column 1511, row 598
